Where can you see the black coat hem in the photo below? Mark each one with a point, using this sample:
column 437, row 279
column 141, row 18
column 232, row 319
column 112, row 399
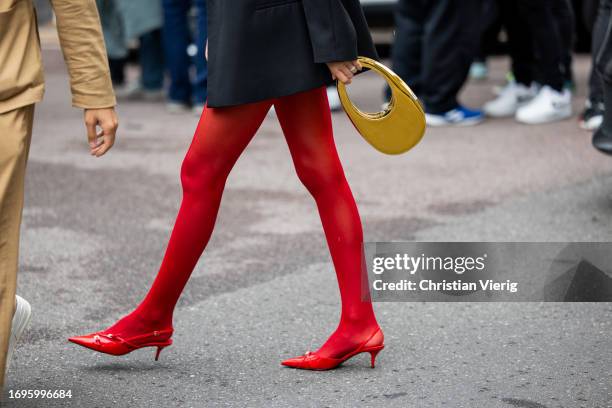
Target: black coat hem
column 274, row 94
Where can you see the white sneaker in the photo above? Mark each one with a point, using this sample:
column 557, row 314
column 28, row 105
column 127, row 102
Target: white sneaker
column 197, row 109
column 548, row 106
column 333, row 98
column 177, row 107
column 21, row 318
column 129, row 91
column 511, row 97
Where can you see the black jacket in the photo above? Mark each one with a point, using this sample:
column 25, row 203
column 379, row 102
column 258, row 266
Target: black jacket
column 262, row 49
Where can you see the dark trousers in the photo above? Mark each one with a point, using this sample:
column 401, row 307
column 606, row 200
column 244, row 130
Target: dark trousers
column 549, row 44
column 177, row 37
column 603, row 63
column 565, row 18
column 540, row 38
column 435, row 43
column 602, row 50
column 491, row 24
column 520, row 44
column 151, row 61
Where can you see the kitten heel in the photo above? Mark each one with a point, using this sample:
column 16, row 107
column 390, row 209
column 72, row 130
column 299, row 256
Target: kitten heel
column 373, row 355
column 159, row 350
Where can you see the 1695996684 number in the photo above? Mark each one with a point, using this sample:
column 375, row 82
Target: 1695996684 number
column 40, row 394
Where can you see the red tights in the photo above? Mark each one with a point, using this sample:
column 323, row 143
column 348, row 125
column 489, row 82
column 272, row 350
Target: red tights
column 221, row 136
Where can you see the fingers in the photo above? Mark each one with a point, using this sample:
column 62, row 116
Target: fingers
column 99, row 144
column 353, row 66
column 92, row 137
column 345, row 71
column 106, row 119
column 342, row 76
column 108, row 142
column 108, row 139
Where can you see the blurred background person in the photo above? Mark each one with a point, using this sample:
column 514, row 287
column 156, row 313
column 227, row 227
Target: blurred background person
column 521, row 87
column 540, row 39
column 546, row 22
column 602, row 138
column 179, row 37
column 435, row 44
column 592, row 115
column 490, row 26
column 565, row 21
column 122, row 22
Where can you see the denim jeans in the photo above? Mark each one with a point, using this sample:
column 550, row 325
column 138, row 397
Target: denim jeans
column 152, row 61
column 177, row 36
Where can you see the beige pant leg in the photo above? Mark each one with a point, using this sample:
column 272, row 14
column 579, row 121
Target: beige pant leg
column 15, row 135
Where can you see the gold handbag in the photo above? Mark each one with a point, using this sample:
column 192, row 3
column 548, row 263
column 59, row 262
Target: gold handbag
column 396, row 129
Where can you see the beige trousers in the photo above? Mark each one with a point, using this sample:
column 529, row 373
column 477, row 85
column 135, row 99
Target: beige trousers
column 15, row 135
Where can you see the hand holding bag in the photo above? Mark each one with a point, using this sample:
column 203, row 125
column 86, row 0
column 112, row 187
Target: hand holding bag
column 396, row 129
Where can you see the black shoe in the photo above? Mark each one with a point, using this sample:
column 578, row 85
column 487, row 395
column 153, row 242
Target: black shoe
column 602, row 141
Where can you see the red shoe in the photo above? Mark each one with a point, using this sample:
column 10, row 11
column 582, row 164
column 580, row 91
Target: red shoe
column 312, row 361
column 109, row 343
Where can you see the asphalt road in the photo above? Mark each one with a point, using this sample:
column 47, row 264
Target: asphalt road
column 95, row 231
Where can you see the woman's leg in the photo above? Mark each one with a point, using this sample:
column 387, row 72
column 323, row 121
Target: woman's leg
column 306, row 122
column 220, row 138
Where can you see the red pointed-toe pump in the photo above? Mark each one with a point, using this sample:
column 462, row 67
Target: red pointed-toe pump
column 312, row 361
column 110, row 343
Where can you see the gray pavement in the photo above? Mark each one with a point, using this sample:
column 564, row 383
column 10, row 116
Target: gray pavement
column 95, row 231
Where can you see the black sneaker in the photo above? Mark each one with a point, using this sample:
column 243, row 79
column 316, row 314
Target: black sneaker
column 592, row 116
column 602, row 141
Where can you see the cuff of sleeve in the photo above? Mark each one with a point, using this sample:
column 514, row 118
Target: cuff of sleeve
column 335, row 57
column 94, row 102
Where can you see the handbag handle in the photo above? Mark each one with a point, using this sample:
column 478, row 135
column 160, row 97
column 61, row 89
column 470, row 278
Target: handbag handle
column 397, row 128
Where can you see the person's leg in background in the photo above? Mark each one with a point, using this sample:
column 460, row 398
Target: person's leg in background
column 152, row 65
column 176, row 39
column 553, row 101
column 117, row 71
column 200, row 86
column 602, row 138
column 491, row 24
column 521, row 88
column 547, row 41
column 407, row 53
column 520, row 43
column 15, row 135
column 452, row 34
column 593, row 113
column 563, row 11
column 306, row 122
